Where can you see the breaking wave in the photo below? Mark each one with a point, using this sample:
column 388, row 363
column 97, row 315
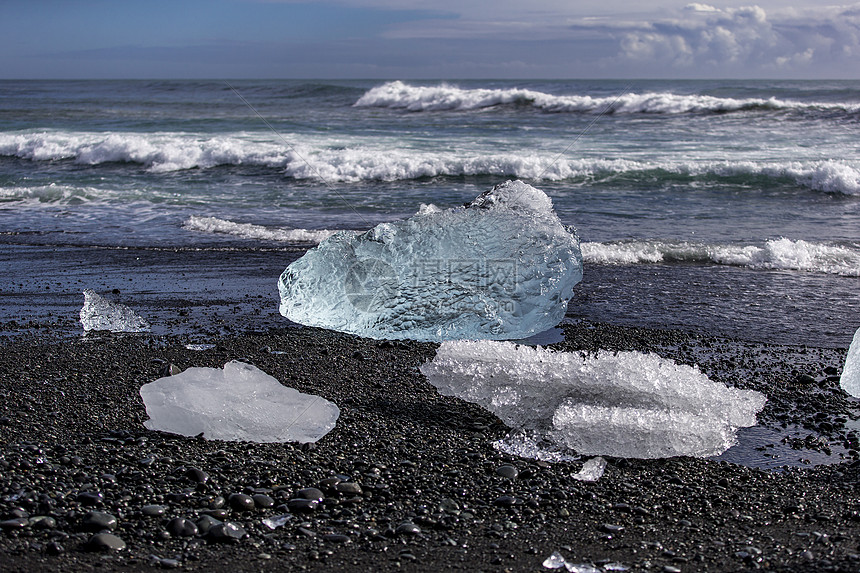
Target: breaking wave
column 385, row 161
column 259, row 232
column 445, row 97
column 775, row 254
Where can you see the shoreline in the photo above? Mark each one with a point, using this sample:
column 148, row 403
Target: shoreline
column 71, row 428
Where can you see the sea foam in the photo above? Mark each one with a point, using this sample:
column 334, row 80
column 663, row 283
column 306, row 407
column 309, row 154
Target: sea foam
column 774, row 254
column 447, row 97
column 251, row 231
column 378, row 159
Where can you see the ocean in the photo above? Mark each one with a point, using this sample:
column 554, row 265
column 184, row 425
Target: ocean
column 725, row 207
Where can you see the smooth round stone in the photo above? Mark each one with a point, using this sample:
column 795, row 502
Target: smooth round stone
column 43, row 522
column 181, row 527
column 241, row 502
column 219, row 514
column 217, row 503
column 348, row 487
column 301, row 505
column 263, row 501
column 312, row 493
column 91, row 498
column 505, row 501
column 336, row 538
column 330, row 482
column 197, row 475
column 205, row 523
column 153, row 510
column 98, row 520
column 507, row 471
column 54, row 548
column 12, row 524
column 407, row 528
column 105, row 542
column 226, row 532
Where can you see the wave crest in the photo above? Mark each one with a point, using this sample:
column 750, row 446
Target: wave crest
column 446, row 97
column 259, row 232
column 364, row 160
column 775, row 254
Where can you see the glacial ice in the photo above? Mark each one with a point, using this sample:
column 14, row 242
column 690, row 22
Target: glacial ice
column 592, row 470
column 501, row 267
column 237, row 403
column 99, row 313
column 850, row 379
column 625, row 404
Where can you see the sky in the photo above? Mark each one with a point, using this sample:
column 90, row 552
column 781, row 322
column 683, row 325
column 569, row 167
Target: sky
column 407, row 39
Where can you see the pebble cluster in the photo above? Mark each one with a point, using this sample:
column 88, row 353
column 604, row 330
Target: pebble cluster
column 408, row 479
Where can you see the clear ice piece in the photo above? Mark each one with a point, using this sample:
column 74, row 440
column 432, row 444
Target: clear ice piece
column 277, row 521
column 850, row 378
column 592, row 470
column 624, row 404
column 501, row 267
column 554, row 561
column 237, row 403
column 99, row 313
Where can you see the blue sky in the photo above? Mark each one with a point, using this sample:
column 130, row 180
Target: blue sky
column 405, row 39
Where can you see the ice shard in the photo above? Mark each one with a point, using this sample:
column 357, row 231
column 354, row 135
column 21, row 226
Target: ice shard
column 500, row 267
column 99, row 313
column 237, row 403
column 850, row 379
column 624, row 404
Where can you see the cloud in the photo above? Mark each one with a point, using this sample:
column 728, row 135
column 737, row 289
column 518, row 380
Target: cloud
column 746, row 40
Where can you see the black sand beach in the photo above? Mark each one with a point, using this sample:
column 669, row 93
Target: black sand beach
column 409, row 479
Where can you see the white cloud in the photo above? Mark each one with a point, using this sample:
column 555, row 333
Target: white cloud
column 745, row 40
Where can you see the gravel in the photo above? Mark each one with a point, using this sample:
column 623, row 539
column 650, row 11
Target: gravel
column 408, row 479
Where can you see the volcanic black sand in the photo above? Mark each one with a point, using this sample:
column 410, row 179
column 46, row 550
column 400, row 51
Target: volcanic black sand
column 409, row 479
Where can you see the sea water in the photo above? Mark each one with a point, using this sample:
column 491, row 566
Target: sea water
column 729, row 207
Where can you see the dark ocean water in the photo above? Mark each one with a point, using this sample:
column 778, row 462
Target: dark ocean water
column 731, row 207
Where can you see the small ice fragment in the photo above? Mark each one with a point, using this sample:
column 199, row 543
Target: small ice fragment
column 616, row 567
column 101, row 314
column 625, row 404
column 581, row 568
column 554, row 561
column 502, row 267
column 199, row 347
column 277, row 521
column 850, row 379
column 592, row 470
column 238, row 403
column 529, row 444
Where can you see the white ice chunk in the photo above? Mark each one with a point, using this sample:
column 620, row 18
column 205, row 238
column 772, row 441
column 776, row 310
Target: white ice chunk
column 557, row 561
column 850, row 379
column 238, row 403
column 101, row 314
column 592, row 470
column 626, row 404
column 502, row 267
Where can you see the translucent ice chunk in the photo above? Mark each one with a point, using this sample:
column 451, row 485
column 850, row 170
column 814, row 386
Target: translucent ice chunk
column 101, row 314
column 238, row 403
column 592, row 470
column 850, row 379
column 625, row 404
column 502, row 267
